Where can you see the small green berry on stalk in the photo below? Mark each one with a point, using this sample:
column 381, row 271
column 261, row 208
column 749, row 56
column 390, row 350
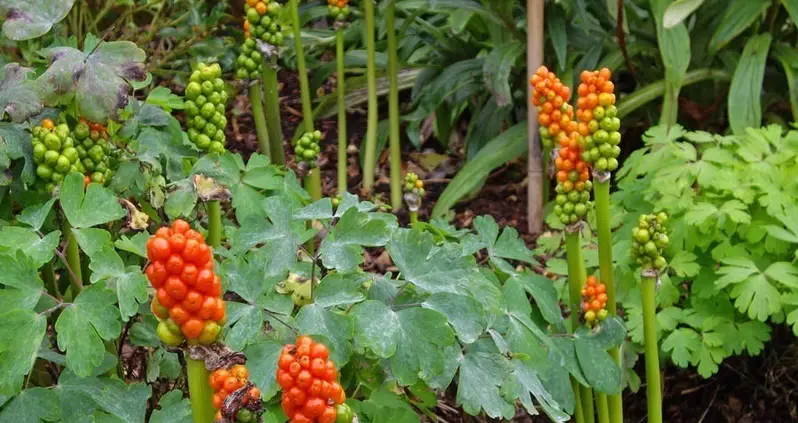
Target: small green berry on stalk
column 307, row 148
column 649, row 241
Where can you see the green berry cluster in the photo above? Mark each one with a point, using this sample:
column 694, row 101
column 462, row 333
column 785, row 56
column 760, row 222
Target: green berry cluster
column 546, row 139
column 307, row 148
column 601, row 148
column 249, row 65
column 413, row 185
column 649, row 241
column 263, row 21
column 94, row 150
column 54, row 154
column 572, row 205
column 206, row 101
column 339, row 9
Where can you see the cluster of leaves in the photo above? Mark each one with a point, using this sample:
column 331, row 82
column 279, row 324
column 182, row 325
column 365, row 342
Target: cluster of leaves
column 733, row 205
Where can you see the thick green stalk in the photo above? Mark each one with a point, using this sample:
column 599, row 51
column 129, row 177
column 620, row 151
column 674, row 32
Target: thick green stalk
column 601, row 192
column 313, row 187
column 273, row 120
column 602, row 409
column 304, row 86
column 413, row 217
column 579, row 415
column 256, row 100
column 341, row 91
column 653, row 385
column 370, row 160
column 576, row 277
column 73, row 259
column 214, row 223
column 393, row 109
column 200, row 391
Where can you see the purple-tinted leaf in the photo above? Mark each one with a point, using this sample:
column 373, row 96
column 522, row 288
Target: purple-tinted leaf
column 100, row 80
column 32, row 18
column 19, row 97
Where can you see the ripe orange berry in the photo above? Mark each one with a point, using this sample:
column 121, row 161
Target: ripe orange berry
column 175, row 288
column 177, row 242
column 164, row 298
column 193, row 301
column 174, row 265
column 180, row 226
column 192, row 329
column 159, row 249
column 314, row 407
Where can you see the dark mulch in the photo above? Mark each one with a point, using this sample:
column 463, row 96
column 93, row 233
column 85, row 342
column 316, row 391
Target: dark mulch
column 760, row 389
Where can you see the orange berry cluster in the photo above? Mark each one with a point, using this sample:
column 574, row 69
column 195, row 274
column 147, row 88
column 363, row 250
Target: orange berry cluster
column 594, row 301
column 339, row 9
column 188, row 299
column 555, row 116
column 599, row 124
column 227, row 381
column 309, row 381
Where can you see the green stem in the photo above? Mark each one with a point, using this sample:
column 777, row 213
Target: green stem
column 200, row 392
column 304, row 86
column 313, row 187
column 341, row 91
column 48, row 276
column 256, row 100
column 273, row 120
column 653, row 385
column 602, row 409
column 214, row 223
column 73, row 259
column 670, row 105
column 546, row 181
column 650, row 92
column 579, row 415
column 601, row 192
column 413, row 217
column 393, row 108
column 576, row 277
column 370, row 159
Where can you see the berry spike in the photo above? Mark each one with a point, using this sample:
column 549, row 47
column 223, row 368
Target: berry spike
column 556, row 118
column 187, row 303
column 235, row 397
column 599, row 124
column 594, row 302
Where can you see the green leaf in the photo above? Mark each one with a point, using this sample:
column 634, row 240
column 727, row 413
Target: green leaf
column 32, row 19
column 418, row 354
column 21, row 273
column 20, row 336
column 752, row 291
column 784, row 273
column 165, row 99
column 412, row 250
column 481, row 376
column 19, row 96
column 130, row 284
column 99, row 78
column 278, row 236
column 598, row 366
column 93, row 240
column 508, row 145
column 136, row 245
column 16, row 145
column 524, row 380
column 674, row 46
column 84, row 325
column 34, row 216
column 173, row 408
column 738, row 17
column 222, row 168
column 465, row 314
column 340, row 289
column 342, row 248
column 684, row 264
column 542, row 290
column 32, row 405
column 792, row 8
column 555, row 24
column 314, row 319
column 246, row 276
column 745, row 108
column 682, row 343
column 678, row 11
column 376, row 327
column 40, row 250
column 318, row 210
column 246, row 322
column 737, row 211
column 261, row 361
column 788, row 57
column 97, row 206
column 497, row 69
column 126, row 402
column 509, row 245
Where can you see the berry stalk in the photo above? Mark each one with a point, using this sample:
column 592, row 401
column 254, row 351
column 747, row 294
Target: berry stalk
column 370, row 160
column 200, row 391
column 304, row 86
column 414, row 195
column 577, row 274
column 393, row 108
column 341, row 91
column 256, row 100
column 273, row 120
column 214, row 223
